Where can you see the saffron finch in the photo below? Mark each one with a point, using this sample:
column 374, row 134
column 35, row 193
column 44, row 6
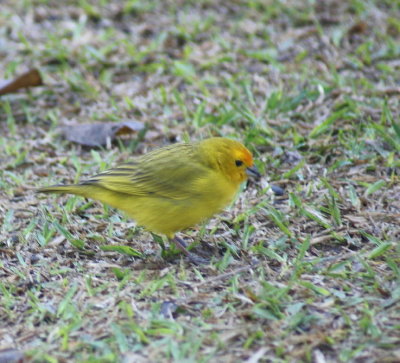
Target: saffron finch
column 171, row 188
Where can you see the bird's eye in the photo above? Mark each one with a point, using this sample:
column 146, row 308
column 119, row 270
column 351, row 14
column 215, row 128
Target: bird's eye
column 238, row 162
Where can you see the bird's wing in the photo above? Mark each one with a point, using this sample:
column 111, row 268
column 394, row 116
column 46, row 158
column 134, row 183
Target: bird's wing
column 174, row 173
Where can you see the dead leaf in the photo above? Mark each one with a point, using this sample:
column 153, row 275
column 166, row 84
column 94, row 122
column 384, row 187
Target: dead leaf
column 100, row 134
column 11, row 355
column 30, row 78
column 358, row 28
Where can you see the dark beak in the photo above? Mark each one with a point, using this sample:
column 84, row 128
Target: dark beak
column 253, row 172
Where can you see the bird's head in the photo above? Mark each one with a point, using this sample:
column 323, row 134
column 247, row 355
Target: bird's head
column 231, row 158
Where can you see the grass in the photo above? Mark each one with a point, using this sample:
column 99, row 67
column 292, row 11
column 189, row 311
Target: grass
column 308, row 273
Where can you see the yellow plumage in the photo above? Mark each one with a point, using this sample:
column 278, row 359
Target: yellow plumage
column 171, row 188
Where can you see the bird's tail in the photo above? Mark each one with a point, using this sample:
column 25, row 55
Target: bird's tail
column 91, row 190
column 63, row 189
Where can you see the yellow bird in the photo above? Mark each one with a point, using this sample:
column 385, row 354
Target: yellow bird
column 171, row 188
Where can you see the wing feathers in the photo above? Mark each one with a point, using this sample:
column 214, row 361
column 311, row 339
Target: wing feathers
column 170, row 173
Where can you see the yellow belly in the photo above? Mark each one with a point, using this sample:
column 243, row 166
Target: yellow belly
column 165, row 215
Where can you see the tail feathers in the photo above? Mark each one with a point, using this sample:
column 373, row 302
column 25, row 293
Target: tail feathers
column 92, row 191
column 61, row 189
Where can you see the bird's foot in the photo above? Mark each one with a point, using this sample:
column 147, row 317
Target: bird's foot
column 194, row 258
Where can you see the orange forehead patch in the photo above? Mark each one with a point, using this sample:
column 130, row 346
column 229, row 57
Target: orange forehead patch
column 244, row 155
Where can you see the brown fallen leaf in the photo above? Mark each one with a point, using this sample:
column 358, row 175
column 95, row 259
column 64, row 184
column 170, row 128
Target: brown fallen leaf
column 100, row 134
column 358, row 28
column 30, row 78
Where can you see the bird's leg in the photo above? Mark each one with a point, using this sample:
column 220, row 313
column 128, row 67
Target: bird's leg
column 181, row 245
